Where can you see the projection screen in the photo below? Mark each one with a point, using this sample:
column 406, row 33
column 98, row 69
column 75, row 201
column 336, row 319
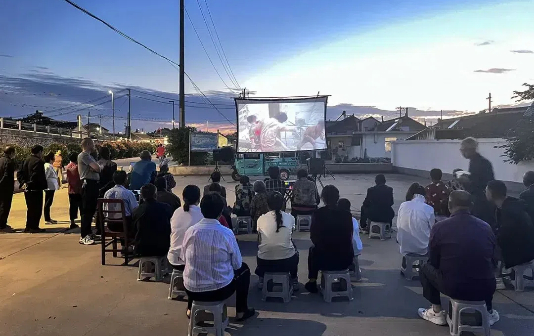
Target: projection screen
column 280, row 125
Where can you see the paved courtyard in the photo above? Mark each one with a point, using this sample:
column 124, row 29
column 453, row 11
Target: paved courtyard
column 51, row 285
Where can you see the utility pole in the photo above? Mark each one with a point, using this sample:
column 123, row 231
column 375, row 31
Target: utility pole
column 489, row 103
column 182, row 62
column 400, row 111
column 88, row 123
column 129, row 121
column 172, row 101
column 441, row 115
column 100, row 123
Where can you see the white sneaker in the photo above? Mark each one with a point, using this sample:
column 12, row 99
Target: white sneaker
column 87, row 240
column 500, row 284
column 436, row 318
column 493, row 317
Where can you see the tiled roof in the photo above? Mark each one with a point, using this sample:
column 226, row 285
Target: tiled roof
column 400, row 124
column 347, row 125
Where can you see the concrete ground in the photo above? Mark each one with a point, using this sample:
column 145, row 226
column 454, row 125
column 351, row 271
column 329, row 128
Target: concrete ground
column 51, row 285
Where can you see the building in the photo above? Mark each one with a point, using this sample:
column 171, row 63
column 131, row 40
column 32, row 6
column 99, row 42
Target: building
column 96, row 129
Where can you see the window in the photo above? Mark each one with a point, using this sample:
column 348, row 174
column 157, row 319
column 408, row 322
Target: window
column 388, row 142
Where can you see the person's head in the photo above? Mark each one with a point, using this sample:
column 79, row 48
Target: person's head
column 276, row 201
column 73, row 157
column 251, row 119
column 38, row 150
column 212, row 205
column 496, row 192
column 455, row 171
column 343, row 204
column 528, row 178
column 459, row 200
column 274, row 172
column 415, row 189
column 282, row 117
column 468, row 147
column 105, row 153
column 216, row 176
column 302, row 173
column 244, row 180
column 191, row 196
column 380, row 179
column 161, row 184
column 88, row 145
column 436, row 175
column 215, row 187
column 330, row 195
column 148, row 192
column 145, row 156
column 9, row 152
column 120, row 177
column 49, row 157
column 259, row 187
column 164, row 168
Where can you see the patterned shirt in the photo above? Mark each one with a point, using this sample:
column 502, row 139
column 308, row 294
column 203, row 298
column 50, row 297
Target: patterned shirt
column 259, row 206
column 119, row 192
column 243, row 198
column 211, row 255
column 305, row 193
column 437, row 196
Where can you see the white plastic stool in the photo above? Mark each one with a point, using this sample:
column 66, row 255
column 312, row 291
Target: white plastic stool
column 409, row 260
column 519, row 270
column 458, row 307
column 304, row 222
column 244, row 224
column 279, row 280
column 340, row 279
column 152, row 267
column 220, row 318
column 177, row 284
column 355, row 271
column 380, row 230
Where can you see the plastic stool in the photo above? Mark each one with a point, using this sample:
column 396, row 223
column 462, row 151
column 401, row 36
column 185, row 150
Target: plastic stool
column 380, row 230
column 340, row 279
column 355, row 271
column 519, row 270
column 304, row 222
column 244, row 224
column 409, row 260
column 277, row 279
column 151, row 267
column 220, row 318
column 458, row 307
column 177, row 284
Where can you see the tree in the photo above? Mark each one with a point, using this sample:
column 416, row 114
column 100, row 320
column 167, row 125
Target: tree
column 179, row 147
column 520, row 141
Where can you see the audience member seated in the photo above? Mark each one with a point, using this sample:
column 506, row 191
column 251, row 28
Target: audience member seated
column 215, row 178
column 164, row 172
column 258, row 206
column 214, row 268
column 153, row 222
column 165, row 196
column 461, row 261
column 415, row 219
column 344, row 205
column 331, row 234
column 304, row 198
column 143, row 172
column 377, row 206
column 528, row 195
column 225, row 219
column 273, row 182
column 119, row 191
column 183, row 219
column 276, row 251
column 243, row 197
column 437, row 195
column 455, row 183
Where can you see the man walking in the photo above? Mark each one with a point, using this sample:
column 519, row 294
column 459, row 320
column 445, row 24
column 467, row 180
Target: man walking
column 7, row 179
column 89, row 172
column 32, row 179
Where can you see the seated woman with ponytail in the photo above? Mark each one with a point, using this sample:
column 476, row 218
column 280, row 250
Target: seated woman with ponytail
column 276, row 252
column 183, row 219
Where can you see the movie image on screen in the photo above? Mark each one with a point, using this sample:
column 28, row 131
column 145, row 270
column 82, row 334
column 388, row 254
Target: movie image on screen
column 281, row 125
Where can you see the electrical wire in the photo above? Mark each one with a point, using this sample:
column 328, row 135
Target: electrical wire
column 176, row 99
column 170, row 103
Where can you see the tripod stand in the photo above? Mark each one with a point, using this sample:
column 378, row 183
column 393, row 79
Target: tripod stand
column 325, row 171
column 217, row 170
column 317, row 178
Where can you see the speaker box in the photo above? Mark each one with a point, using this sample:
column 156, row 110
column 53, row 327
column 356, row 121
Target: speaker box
column 315, row 166
column 225, row 154
column 217, row 155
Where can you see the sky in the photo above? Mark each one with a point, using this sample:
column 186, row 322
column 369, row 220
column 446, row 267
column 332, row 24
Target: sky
column 369, row 56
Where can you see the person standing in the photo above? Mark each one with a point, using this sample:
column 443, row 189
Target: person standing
column 108, row 169
column 528, row 195
column 53, row 185
column 7, row 186
column 32, row 180
column 75, row 189
column 164, row 172
column 143, row 172
column 58, row 167
column 89, row 171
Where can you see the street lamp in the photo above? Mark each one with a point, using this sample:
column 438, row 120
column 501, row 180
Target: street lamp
column 113, row 108
column 172, row 101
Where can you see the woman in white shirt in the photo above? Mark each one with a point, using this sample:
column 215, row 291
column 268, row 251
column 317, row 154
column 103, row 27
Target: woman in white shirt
column 183, row 219
column 276, row 252
column 53, row 185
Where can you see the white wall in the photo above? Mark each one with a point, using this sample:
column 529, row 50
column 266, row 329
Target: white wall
column 375, row 143
column 425, row 155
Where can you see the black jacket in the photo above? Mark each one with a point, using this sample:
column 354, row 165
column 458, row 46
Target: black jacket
column 480, row 173
column 7, row 174
column 377, row 205
column 515, row 232
column 153, row 222
column 33, row 174
column 527, row 196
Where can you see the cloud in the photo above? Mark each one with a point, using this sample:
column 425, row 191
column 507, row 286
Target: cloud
column 522, row 51
column 41, row 67
column 5, row 55
column 485, row 43
column 495, row 70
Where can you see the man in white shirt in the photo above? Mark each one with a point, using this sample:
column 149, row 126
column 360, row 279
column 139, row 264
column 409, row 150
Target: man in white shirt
column 414, row 221
column 119, row 191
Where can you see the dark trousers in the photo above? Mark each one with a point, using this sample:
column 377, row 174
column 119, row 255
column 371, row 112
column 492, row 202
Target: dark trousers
column 6, row 197
column 89, row 202
column 75, row 205
column 49, row 199
column 239, row 285
column 318, row 261
column 177, row 267
column 290, row 265
column 34, row 203
column 432, row 282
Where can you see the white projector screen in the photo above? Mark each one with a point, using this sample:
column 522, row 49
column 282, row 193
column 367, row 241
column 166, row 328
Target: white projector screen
column 280, row 125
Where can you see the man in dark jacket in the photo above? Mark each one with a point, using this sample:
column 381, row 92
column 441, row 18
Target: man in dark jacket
column 7, row 180
column 527, row 196
column 165, row 196
column 377, row 206
column 32, row 180
column 514, row 229
column 153, row 222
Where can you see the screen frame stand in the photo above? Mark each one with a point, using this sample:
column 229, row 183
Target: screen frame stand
column 216, row 169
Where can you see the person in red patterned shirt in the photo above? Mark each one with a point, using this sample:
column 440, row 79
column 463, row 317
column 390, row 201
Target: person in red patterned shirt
column 437, row 195
column 75, row 189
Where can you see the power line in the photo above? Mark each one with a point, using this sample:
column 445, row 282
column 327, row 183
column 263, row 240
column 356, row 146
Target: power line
column 83, row 108
column 187, row 101
column 169, row 103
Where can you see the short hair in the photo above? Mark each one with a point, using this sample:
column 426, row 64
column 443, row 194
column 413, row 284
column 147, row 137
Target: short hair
column 415, row 189
column 460, row 199
column 259, row 187
column 380, row 179
column 498, row 189
column 37, row 149
column 528, row 179
column 161, row 183
column 282, row 117
column 49, row 157
column 212, row 205
column 105, row 153
column 436, row 174
column 148, row 191
column 87, row 142
column 120, row 177
column 191, row 195
column 302, row 173
column 216, row 176
column 73, row 157
column 244, row 180
column 9, row 150
column 343, row 204
column 145, row 155
column 470, row 143
column 215, row 187
column 251, row 118
column 274, row 172
column 164, row 168
column 330, row 195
